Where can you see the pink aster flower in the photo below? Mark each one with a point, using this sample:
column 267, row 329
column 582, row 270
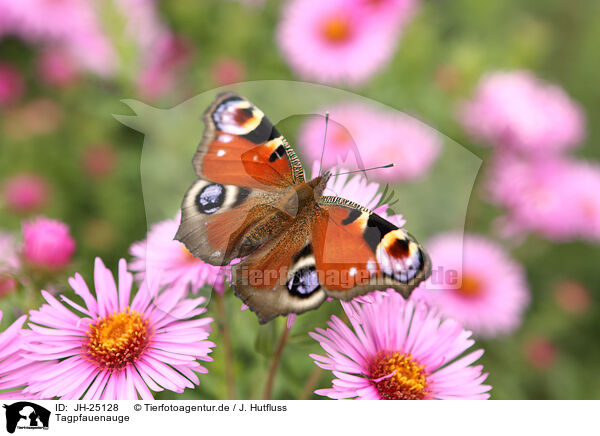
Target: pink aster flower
column 71, row 24
column 15, row 370
column 170, row 56
column 476, row 283
column 47, row 243
column 226, row 71
column 395, row 13
column 572, row 297
column 398, row 350
column 57, row 68
column 99, row 160
column 12, row 85
column 553, row 197
column 515, row 110
column 162, row 259
column 540, row 352
column 334, row 41
column 116, row 346
column 24, row 193
column 365, row 136
column 585, row 186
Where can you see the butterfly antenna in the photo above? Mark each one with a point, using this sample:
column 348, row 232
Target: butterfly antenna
column 324, row 139
column 368, row 169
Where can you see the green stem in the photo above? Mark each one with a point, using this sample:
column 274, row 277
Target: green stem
column 312, row 381
column 225, row 333
column 275, row 362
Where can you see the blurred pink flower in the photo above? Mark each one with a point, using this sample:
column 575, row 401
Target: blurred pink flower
column 169, row 57
column 334, row 41
column 12, row 84
column 9, row 253
column 117, row 347
column 554, row 197
column 8, row 284
column 47, row 243
column 398, row 350
column 226, row 71
column 517, row 111
column 99, row 160
column 393, row 13
column 540, row 352
column 480, row 286
column 15, row 370
column 585, row 197
column 359, row 134
column 161, row 259
column 80, row 28
column 57, row 68
column 25, row 193
column 573, row 297
column 73, row 24
column 10, row 263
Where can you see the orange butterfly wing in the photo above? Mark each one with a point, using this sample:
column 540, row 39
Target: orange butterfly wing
column 242, row 147
column 357, row 251
column 244, row 168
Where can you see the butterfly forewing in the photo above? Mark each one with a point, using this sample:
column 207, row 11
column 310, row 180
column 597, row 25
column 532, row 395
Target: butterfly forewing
column 244, row 167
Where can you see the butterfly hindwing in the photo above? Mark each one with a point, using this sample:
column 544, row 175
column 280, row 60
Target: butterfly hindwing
column 222, row 222
column 280, row 277
column 357, row 251
column 335, row 248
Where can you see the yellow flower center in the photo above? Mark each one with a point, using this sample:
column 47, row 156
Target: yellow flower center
column 118, row 339
column 336, row 29
column 397, row 376
column 470, row 287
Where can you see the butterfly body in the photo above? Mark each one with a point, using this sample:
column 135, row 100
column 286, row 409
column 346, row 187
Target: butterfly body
column 297, row 247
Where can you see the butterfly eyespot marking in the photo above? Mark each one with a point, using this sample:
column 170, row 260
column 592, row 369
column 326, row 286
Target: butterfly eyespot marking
column 399, row 257
column 236, row 117
column 243, row 115
column 303, row 279
column 210, row 198
column 277, row 154
column 304, row 282
column 376, row 229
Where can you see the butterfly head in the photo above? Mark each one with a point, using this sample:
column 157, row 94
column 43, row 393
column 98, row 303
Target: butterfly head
column 319, row 183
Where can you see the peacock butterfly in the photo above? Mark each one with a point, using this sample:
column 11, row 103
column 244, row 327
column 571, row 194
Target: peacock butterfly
column 297, row 247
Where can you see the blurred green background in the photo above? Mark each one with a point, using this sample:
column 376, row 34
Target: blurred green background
column 443, row 53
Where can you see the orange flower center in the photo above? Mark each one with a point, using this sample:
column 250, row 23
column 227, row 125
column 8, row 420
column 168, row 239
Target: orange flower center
column 118, row 339
column 397, row 376
column 470, row 287
column 336, row 29
column 342, row 137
